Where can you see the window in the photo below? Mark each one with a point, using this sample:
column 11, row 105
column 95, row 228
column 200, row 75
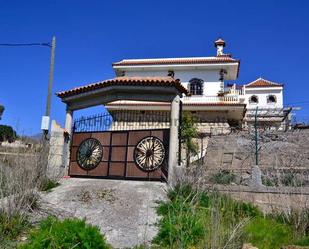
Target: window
column 254, row 99
column 271, row 99
column 196, row 86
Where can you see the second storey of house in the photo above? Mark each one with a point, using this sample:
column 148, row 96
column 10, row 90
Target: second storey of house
column 202, row 76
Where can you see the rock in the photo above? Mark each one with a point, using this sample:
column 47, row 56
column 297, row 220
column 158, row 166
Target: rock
column 249, row 246
column 256, row 177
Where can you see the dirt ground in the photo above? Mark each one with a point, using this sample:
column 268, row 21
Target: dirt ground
column 123, row 210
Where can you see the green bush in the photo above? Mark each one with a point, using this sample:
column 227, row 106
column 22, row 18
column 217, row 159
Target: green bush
column 187, row 219
column 188, row 131
column 266, row 233
column 302, row 242
column 70, row 233
column 268, row 181
column 7, row 133
column 223, row 177
column 48, row 184
column 201, row 219
column 297, row 219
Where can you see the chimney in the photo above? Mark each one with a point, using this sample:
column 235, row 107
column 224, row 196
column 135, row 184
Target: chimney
column 220, row 44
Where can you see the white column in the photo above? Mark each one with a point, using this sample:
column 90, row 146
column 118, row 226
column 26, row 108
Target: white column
column 174, row 142
column 67, row 142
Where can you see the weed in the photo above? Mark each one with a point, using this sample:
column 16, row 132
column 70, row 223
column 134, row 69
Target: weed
column 70, row 233
column 268, row 234
column 11, row 226
column 199, row 219
column 223, row 177
column 48, row 184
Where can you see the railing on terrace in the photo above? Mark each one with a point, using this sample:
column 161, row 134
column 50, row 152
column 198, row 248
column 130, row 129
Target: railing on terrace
column 234, row 91
column 212, row 99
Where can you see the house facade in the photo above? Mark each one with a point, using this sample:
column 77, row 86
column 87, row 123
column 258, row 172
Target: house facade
column 216, row 104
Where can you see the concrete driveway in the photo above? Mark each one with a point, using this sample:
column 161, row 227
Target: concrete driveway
column 123, row 210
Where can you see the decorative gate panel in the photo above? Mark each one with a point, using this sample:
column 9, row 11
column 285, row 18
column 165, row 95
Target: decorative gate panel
column 131, row 154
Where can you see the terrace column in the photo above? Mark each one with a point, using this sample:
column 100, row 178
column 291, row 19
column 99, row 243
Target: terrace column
column 67, row 139
column 174, row 143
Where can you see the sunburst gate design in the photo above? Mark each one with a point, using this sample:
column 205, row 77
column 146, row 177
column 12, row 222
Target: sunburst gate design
column 89, row 153
column 149, row 153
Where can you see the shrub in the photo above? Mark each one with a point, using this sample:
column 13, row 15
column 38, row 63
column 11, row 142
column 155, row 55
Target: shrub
column 266, row 233
column 298, row 219
column 223, row 177
column 194, row 218
column 188, row 131
column 181, row 225
column 7, row 133
column 11, row 226
column 200, row 219
column 290, row 180
column 269, row 181
column 70, row 233
column 48, row 184
column 303, row 242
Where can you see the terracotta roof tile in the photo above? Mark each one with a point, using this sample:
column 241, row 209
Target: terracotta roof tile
column 167, row 61
column 126, row 81
column 260, row 82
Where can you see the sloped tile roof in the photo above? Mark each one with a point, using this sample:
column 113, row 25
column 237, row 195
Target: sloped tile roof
column 260, row 82
column 126, row 81
column 168, row 61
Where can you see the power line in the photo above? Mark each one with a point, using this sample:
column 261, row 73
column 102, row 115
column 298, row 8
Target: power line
column 52, row 45
column 46, row 44
column 299, row 102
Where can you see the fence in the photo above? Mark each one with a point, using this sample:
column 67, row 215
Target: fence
column 122, row 120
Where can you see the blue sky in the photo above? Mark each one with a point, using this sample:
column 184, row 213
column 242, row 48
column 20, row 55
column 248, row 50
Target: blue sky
column 270, row 37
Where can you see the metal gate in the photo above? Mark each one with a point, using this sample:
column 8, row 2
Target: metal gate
column 119, row 154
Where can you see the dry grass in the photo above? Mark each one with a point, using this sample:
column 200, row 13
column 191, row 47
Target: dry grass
column 22, row 175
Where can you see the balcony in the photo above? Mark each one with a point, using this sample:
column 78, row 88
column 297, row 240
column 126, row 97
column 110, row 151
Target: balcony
column 214, row 99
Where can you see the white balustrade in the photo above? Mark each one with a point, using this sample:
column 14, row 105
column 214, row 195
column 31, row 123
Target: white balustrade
column 212, row 99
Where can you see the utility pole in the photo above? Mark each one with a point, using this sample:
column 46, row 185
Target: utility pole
column 256, row 138
column 46, row 118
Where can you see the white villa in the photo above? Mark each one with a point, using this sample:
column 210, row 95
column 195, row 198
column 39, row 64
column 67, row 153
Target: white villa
column 216, row 103
column 146, row 99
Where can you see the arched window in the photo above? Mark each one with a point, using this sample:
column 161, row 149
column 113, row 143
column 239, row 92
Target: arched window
column 254, row 99
column 196, row 86
column 271, row 99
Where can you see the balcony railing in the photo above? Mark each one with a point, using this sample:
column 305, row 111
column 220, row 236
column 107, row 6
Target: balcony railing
column 212, row 99
column 233, row 91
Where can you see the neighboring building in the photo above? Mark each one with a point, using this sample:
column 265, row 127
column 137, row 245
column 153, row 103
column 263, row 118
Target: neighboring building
column 264, row 98
column 217, row 105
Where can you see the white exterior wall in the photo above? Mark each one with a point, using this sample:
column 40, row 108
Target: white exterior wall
column 262, row 94
column 211, row 78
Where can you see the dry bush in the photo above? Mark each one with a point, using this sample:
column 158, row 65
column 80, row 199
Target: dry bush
column 22, row 173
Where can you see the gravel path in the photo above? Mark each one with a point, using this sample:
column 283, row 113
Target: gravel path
column 123, row 210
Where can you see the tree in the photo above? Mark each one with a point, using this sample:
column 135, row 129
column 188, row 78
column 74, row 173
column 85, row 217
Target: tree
column 188, row 132
column 1, row 110
column 7, row 133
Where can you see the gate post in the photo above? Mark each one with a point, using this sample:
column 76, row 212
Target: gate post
column 67, row 141
column 174, row 142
